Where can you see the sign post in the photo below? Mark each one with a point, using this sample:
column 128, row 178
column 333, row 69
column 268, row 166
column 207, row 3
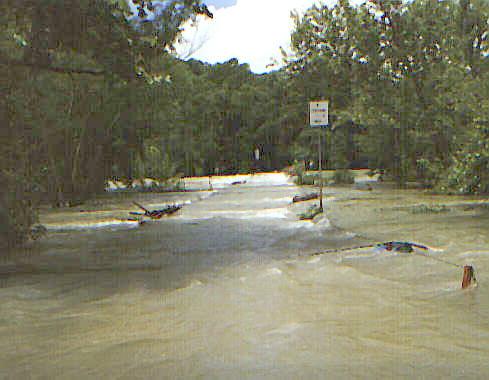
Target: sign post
column 318, row 117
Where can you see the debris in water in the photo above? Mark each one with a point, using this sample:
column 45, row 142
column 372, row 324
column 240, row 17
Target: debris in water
column 400, row 246
column 157, row 214
column 303, row 198
column 311, row 212
column 469, row 277
column 37, row 231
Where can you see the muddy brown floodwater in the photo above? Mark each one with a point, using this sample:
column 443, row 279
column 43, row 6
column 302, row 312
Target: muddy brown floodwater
column 225, row 289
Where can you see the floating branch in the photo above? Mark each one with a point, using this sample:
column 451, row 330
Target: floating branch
column 156, row 214
column 307, row 197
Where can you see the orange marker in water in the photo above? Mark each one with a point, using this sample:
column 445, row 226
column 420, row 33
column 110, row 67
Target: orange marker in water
column 468, row 276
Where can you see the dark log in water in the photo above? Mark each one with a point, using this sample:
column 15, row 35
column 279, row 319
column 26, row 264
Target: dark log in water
column 307, row 197
column 157, row 214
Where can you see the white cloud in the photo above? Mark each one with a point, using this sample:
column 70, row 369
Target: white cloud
column 252, row 31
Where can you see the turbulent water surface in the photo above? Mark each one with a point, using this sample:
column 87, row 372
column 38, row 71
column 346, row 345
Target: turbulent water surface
column 227, row 289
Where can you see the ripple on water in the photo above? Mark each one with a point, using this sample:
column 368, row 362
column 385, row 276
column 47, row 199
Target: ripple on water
column 274, row 272
column 285, row 329
column 109, row 224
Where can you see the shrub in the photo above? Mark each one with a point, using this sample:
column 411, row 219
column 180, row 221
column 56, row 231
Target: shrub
column 343, row 176
column 429, row 209
column 302, row 177
column 468, row 175
column 310, row 213
column 428, row 172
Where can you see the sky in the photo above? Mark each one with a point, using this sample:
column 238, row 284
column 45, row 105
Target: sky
column 250, row 30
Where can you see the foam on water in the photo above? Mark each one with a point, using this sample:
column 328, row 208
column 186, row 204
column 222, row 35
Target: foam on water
column 366, row 255
column 274, row 272
column 269, row 179
column 272, row 213
column 314, row 260
column 285, row 329
column 324, row 222
column 74, row 226
column 217, row 182
column 474, row 253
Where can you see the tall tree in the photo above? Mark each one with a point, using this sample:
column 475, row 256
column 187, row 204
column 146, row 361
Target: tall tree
column 63, row 65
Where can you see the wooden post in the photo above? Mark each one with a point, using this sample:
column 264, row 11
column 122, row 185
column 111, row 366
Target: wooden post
column 468, row 276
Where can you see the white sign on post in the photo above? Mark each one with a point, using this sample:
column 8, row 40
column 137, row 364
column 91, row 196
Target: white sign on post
column 318, row 113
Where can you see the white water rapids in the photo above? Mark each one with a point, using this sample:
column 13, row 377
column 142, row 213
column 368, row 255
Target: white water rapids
column 225, row 289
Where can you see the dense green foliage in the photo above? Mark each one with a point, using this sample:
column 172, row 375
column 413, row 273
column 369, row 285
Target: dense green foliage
column 91, row 91
column 75, row 82
column 407, row 85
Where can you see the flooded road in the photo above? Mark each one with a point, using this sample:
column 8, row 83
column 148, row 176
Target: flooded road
column 227, row 289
